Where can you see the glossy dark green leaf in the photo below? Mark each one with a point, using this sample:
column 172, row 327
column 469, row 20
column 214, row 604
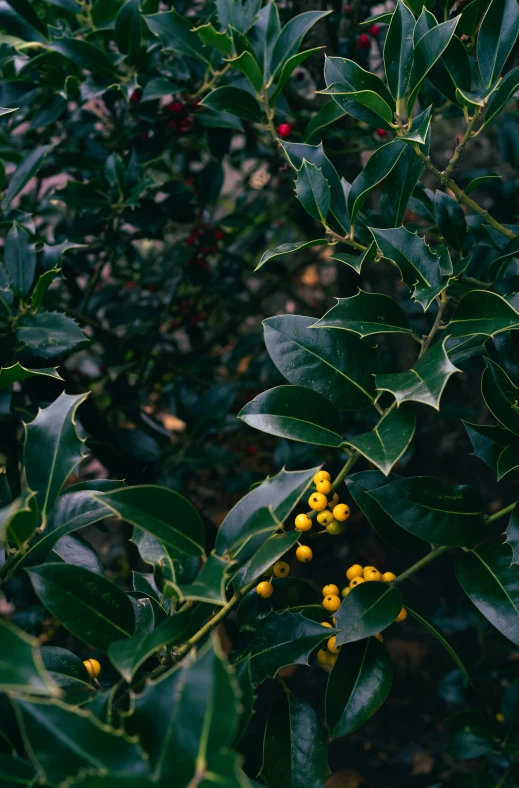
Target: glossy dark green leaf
column 15, row 771
column 236, row 101
column 296, row 413
column 155, row 552
column 69, row 674
column 42, row 285
column 386, row 442
column 492, row 583
column 289, row 66
column 289, row 593
column 490, row 441
column 290, row 37
column 512, row 534
column 122, row 652
column 398, row 50
column 358, row 685
column 497, row 35
column 441, row 513
column 336, row 364
column 378, row 167
column 161, row 512
column 482, row 180
column 20, row 259
column 367, row 98
column 128, row 30
column 313, row 191
column 209, row 36
column 482, row 312
column 295, row 751
column 507, row 461
column 23, row 671
column 296, row 152
column 91, row 607
column 238, row 14
column 353, row 78
column 270, row 552
column 21, row 520
column 248, row 66
column 52, row 732
column 507, row 87
column 24, row 172
column 450, row 219
column 420, row 130
column 176, row 34
column 439, row 637
column 359, row 485
column 471, row 16
column 367, row 610
column 73, row 549
column 329, row 113
column 210, row 584
column 419, row 266
column 283, row 639
column 86, row 56
column 53, row 449
column 29, row 14
column 500, row 395
column 288, row 248
column 261, row 510
column 424, row 382
column 50, row 334
column 469, row 742
column 366, row 314
column 185, row 718
column 427, row 52
column 397, row 190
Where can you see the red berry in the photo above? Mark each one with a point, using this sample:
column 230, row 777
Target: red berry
column 136, row 96
column 374, row 30
column 363, row 42
column 219, row 234
column 381, row 133
column 175, row 108
column 186, row 123
column 191, row 240
column 348, row 9
column 130, row 285
column 252, row 449
column 284, row 130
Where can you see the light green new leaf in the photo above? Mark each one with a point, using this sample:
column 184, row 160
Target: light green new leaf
column 497, row 35
column 501, row 396
column 358, row 685
column 492, row 583
column 439, row 513
column 295, row 750
column 10, row 375
column 367, row 610
column 419, row 266
column 288, row 248
column 399, row 50
column 378, row 167
column 52, row 449
column 313, row 191
column 23, row 672
column 161, row 512
column 366, row 314
column 294, row 412
column 482, row 312
column 386, row 442
column 424, row 382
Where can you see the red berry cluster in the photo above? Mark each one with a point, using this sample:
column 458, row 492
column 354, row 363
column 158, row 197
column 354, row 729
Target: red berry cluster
column 180, row 118
column 204, row 241
column 284, row 130
column 185, row 313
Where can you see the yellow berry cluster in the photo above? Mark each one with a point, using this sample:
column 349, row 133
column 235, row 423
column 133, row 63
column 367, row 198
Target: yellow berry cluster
column 358, row 574
column 328, row 655
column 330, row 513
column 265, row 589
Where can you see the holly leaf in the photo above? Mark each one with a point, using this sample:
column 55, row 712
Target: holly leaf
column 210, row 584
column 176, row 34
column 23, row 671
column 386, row 442
column 367, row 98
column 427, row 51
column 291, row 722
column 283, row 639
column 378, row 167
column 289, row 248
column 497, row 35
column 53, row 449
column 270, row 551
column 367, row 610
column 236, row 101
column 439, row 637
column 127, row 30
column 501, row 396
column 313, row 191
column 24, row 172
column 451, row 220
column 358, row 685
column 294, row 412
column 482, row 312
column 366, row 314
column 20, row 259
column 50, row 334
column 15, row 373
column 290, row 37
column 512, row 534
column 336, row 364
column 440, row 513
column 290, row 593
column 499, row 99
column 489, row 442
column 492, row 584
column 91, row 607
column 354, row 80
column 399, row 50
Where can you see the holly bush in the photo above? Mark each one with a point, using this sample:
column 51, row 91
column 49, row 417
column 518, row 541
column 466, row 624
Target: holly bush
column 149, row 156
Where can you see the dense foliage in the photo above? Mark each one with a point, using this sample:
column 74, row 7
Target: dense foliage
column 150, row 156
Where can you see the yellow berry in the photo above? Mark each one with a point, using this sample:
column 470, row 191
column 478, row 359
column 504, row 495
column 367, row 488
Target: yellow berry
column 325, row 518
column 387, row 577
column 500, row 717
column 356, row 581
column 304, row 554
column 303, row 522
column 341, row 512
column 331, row 658
column 281, row 569
column 93, row 667
column 334, row 501
column 331, row 603
column 354, row 571
column 335, row 528
column 317, row 501
column 331, row 645
column 372, row 574
column 379, row 637
column 265, row 589
column 331, row 588
column 334, row 621
column 326, row 624
column 324, row 486
column 322, row 656
column 402, row 615
column 368, row 567
column 345, row 591
column 320, row 475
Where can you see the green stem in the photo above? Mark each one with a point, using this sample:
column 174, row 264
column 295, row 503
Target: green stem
column 345, row 470
column 443, row 299
column 500, row 513
column 436, row 553
column 461, row 145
